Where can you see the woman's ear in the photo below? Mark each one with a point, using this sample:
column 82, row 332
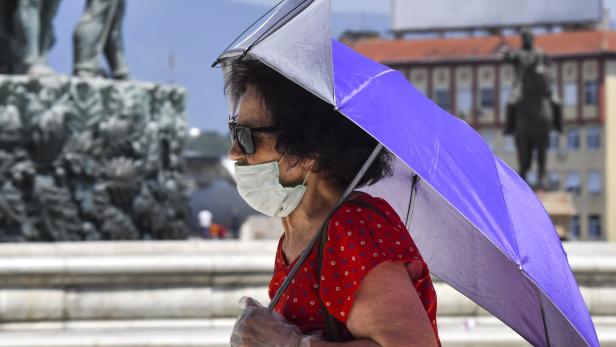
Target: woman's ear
column 309, row 163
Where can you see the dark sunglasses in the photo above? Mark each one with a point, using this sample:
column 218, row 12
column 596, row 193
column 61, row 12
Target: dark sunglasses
column 243, row 135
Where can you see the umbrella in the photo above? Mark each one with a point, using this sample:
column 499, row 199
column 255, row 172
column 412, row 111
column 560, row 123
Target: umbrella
column 478, row 225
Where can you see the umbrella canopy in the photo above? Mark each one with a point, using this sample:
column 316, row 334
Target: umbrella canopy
column 478, row 225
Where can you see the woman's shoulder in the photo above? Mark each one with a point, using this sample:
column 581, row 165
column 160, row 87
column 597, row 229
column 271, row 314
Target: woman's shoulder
column 367, row 219
column 365, row 207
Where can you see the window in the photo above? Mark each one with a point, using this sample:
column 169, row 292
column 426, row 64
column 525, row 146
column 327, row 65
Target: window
column 486, row 97
column 573, row 139
column 593, row 138
column 509, row 144
column 574, row 227
column 554, row 144
column 591, row 92
column 572, row 183
column 594, row 227
column 594, row 182
column 464, row 102
column 553, row 180
column 570, row 97
column 505, row 92
column 441, row 97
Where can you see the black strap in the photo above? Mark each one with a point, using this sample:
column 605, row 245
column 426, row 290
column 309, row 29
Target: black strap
column 333, row 327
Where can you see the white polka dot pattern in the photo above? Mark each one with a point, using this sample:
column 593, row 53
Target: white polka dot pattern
column 358, row 240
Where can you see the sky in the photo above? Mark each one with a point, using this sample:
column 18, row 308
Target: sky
column 192, row 33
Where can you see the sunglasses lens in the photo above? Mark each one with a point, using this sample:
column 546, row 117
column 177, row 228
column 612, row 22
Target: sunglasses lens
column 244, row 140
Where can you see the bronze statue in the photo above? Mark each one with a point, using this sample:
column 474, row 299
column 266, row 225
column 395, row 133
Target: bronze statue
column 533, row 108
column 100, row 31
column 26, row 35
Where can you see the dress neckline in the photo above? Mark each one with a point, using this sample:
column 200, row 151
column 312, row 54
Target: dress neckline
column 289, row 266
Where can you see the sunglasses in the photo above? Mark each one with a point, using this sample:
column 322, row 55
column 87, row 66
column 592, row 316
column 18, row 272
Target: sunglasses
column 244, row 135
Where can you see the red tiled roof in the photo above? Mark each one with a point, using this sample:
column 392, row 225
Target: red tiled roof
column 479, row 48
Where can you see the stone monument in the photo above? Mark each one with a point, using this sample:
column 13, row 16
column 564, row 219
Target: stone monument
column 533, row 109
column 87, row 158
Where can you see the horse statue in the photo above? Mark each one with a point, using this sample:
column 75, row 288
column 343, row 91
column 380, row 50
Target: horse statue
column 533, row 108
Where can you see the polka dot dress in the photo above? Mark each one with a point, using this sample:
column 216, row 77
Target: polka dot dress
column 359, row 239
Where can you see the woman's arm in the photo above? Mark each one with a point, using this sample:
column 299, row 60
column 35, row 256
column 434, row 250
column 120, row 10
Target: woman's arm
column 387, row 312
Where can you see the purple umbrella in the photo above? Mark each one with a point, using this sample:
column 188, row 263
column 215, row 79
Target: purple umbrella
column 478, row 225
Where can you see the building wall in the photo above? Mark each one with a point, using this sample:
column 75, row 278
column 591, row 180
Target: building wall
column 610, row 149
column 478, row 93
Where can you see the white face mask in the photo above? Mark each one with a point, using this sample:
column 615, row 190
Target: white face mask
column 260, row 187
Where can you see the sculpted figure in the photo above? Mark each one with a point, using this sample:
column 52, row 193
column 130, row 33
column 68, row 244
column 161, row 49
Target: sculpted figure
column 27, row 35
column 533, row 108
column 99, row 31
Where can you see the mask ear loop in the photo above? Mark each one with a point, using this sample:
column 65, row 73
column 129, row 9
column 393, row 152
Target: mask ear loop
column 306, row 178
column 280, row 160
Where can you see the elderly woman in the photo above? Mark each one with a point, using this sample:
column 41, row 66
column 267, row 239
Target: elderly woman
column 295, row 155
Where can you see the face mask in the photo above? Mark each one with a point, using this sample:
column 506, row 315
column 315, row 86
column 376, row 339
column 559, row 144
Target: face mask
column 260, row 187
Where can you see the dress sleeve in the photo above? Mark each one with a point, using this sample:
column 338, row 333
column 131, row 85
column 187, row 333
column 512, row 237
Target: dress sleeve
column 358, row 240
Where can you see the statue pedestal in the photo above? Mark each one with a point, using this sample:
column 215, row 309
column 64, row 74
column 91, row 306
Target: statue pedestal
column 560, row 208
column 90, row 159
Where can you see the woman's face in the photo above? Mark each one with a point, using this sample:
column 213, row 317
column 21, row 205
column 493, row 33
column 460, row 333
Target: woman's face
column 253, row 113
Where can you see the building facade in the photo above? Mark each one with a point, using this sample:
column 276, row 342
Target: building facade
column 468, row 77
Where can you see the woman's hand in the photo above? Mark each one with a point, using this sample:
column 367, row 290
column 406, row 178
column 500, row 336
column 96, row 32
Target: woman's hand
column 258, row 327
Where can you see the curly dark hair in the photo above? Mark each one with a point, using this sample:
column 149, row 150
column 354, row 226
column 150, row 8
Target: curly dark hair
column 310, row 128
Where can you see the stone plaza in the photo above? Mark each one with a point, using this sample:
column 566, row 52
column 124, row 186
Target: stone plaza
column 185, row 293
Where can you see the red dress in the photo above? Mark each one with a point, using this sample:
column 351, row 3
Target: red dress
column 359, row 238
